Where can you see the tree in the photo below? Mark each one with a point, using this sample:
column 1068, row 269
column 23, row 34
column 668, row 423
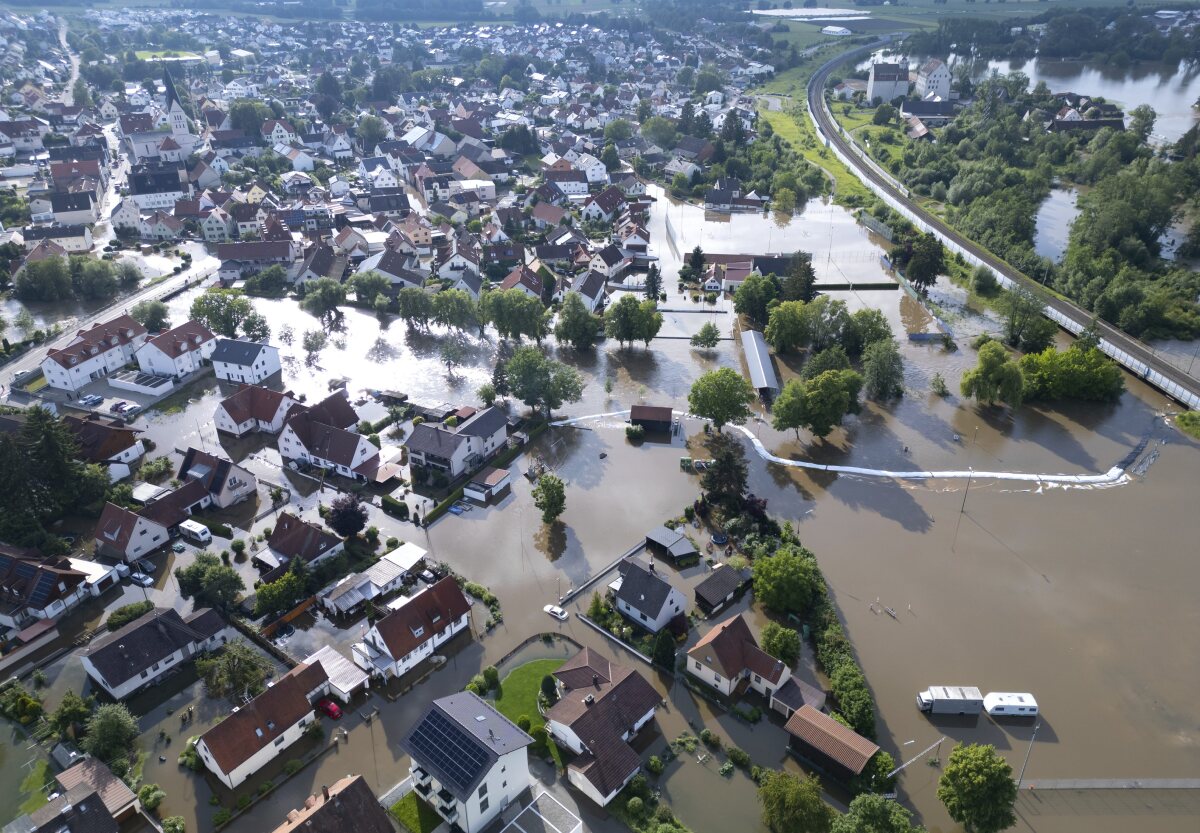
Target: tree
column 236, row 672
column 829, row 397
column 660, row 131
column 576, row 325
column 622, row 320
column 111, row 731
column 328, row 85
column 72, row 713
column 724, row 481
column 93, row 279
column 865, row 327
column 708, row 80
column 825, row 322
column 883, row 370
column 831, row 358
column 371, row 131
column 515, row 314
column 368, row 285
column 664, row 649
column 254, row 326
column 788, row 581
column 150, row 796
column 984, row 281
column 610, row 158
column 753, row 298
column 210, row 582
column 884, row 114
column 540, row 382
column 653, row 283
column 223, row 311
column 414, row 307
column 313, row 342
column 978, row 790
column 996, row 378
column 617, row 130
column 549, row 688
column 270, row 281
column 781, row 643
column 723, row 396
column 153, row 315
column 456, row 309
column 870, row 813
column 48, row 279
column 550, row 497
column 1024, row 325
column 787, row 411
column 174, row 824
column 247, row 115
column 687, row 118
column 800, row 282
column 451, row 353
column 793, row 804
column 80, row 94
column 787, row 328
column 1141, row 122
column 281, row 595
column 1081, row 372
column 927, row 261
column 707, row 337
column 322, row 298
column 347, row 515
column 487, row 393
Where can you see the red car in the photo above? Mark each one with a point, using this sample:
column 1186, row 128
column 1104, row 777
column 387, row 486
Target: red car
column 329, row 708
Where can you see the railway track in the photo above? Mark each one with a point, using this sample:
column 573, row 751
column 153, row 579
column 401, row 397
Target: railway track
column 1131, row 353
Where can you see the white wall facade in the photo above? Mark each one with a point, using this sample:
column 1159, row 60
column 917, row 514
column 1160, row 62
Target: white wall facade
column 121, row 690
column 259, row 759
column 265, row 364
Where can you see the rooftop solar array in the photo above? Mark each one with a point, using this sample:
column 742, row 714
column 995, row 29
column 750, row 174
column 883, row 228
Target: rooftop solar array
column 455, row 755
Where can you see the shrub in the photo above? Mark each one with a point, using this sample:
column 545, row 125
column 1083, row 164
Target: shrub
column 938, row 385
column 635, row 433
column 314, row 730
column 549, row 688
column 151, row 795
column 265, row 787
column 125, row 614
column 491, row 676
column 478, row 685
column 739, row 757
column 173, row 824
column 222, row 817
column 243, row 802
column 395, row 508
column 655, row 765
column 524, row 723
column 189, row 758
column 238, row 546
column 726, row 768
column 293, row 766
column 710, row 739
column 635, row 807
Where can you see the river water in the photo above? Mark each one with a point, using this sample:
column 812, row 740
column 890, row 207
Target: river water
column 1082, row 596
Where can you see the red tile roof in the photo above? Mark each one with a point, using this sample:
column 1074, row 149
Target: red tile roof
column 830, row 738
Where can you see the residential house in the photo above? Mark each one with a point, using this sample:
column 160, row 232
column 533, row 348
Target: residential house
column 126, row 535
column 728, row 656
column 108, row 443
column 255, row 734
column 524, row 279
column 306, row 438
column 610, row 262
column 933, row 81
column 601, row 707
column 571, row 182
column 277, row 131
column 177, row 352
column 590, row 286
column 94, row 353
column 151, row 647
column 237, row 360
column 293, row 537
column 217, row 226
column 461, row 448
column 75, row 208
column 410, row 633
column 381, row 578
column 253, row 408
column 226, row 482
column 646, row 598
column 34, row 587
column 468, row 761
column 119, row 800
column 77, row 810
column 348, row 804
column 159, row 225
column 603, row 207
column 74, row 239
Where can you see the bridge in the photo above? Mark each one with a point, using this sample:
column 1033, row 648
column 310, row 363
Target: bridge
column 1131, row 353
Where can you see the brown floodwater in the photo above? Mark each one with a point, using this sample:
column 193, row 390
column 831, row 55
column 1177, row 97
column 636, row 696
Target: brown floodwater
column 1082, row 596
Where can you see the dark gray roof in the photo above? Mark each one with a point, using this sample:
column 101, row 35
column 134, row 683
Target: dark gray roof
column 795, row 694
column 459, row 739
column 74, row 201
column 78, row 810
column 642, row 589
column 236, row 351
column 719, row 584
column 125, row 653
column 484, row 423
column 433, row 439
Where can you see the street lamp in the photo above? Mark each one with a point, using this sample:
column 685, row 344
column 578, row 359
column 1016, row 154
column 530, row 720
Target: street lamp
column 1032, row 738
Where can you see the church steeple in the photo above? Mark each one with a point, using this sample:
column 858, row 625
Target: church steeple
column 175, row 110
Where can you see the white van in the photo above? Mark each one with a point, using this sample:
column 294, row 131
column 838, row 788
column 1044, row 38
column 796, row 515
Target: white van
column 195, row 531
column 999, row 704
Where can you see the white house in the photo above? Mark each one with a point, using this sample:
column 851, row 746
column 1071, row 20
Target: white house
column 93, row 353
column 933, row 80
column 468, row 761
column 255, row 734
column 143, row 652
column 36, row 587
column 278, row 131
column 253, row 408
column 593, row 169
column 226, row 482
column 235, row 360
column 108, row 443
column 177, row 352
column 398, row 642
column 304, row 437
column 646, row 598
column 461, row 448
column 127, row 535
column 728, row 654
column 601, row 707
column 887, row 81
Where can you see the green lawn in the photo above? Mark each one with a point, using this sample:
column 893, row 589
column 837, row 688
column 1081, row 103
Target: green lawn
column 1189, row 423
column 518, row 692
column 415, row 815
column 33, row 786
column 800, row 135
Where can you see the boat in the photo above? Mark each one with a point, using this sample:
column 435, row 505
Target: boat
column 1010, row 704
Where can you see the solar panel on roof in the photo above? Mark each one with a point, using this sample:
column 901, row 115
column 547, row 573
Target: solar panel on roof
column 41, row 593
column 442, row 744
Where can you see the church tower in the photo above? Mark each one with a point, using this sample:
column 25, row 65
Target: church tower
column 175, row 112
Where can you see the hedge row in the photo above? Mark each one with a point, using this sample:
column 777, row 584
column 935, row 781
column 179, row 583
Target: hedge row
column 854, row 702
column 395, row 508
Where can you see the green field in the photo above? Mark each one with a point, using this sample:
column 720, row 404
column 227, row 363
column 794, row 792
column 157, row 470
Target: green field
column 155, row 54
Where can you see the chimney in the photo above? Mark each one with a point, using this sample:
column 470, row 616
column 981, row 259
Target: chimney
column 325, row 792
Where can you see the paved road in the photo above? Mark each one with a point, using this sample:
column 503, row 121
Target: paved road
column 1130, row 352
column 69, row 92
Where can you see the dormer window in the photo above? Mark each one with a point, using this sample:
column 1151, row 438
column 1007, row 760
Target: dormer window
column 418, row 631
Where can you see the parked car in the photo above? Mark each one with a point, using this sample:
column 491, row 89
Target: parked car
column 428, row 577
column 91, row 400
column 146, row 566
column 141, row 579
column 117, row 407
column 178, row 546
column 557, row 612
column 329, row 708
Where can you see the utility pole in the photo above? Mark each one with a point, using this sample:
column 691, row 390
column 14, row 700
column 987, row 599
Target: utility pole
column 1032, row 738
column 962, row 509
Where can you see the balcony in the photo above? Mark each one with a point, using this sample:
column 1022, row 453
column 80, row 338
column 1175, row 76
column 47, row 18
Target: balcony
column 445, row 797
column 420, row 776
column 423, row 789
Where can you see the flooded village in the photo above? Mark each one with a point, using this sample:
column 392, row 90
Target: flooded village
column 367, row 606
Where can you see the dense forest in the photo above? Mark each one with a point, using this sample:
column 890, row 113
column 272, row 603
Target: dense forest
column 994, row 164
